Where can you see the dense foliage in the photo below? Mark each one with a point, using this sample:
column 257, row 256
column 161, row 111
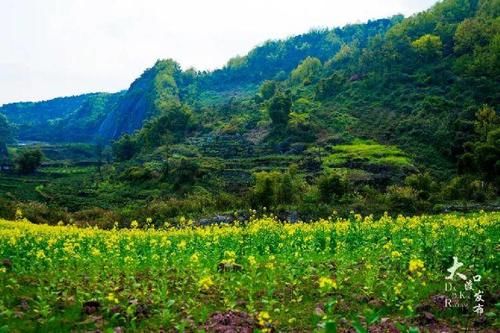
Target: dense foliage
column 335, row 119
column 68, row 119
column 6, row 136
column 28, row 161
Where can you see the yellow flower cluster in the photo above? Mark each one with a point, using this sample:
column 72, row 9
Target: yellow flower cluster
column 264, row 320
column 252, row 261
column 396, row 254
column 112, row 298
column 416, row 265
column 205, row 283
column 326, row 283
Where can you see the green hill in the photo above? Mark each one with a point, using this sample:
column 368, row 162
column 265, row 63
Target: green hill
column 397, row 113
column 66, row 119
column 110, row 115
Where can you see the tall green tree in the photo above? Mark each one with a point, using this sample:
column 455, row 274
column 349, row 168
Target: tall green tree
column 486, row 120
column 125, row 148
column 308, row 71
column 29, row 160
column 267, row 89
column 428, row 46
column 279, row 109
column 331, row 186
column 5, row 137
column 482, row 156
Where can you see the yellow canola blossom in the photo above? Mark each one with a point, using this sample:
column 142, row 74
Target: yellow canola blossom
column 121, row 267
column 70, row 243
column 327, row 283
column 396, row 254
column 416, row 265
column 205, row 283
column 264, row 318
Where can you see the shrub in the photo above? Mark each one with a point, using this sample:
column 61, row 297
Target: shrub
column 422, row 183
column 468, row 188
column 403, row 199
column 185, row 173
column 263, row 193
column 370, row 201
column 330, row 186
column 40, row 213
column 29, row 160
column 104, row 219
column 125, row 148
column 276, row 188
column 267, row 89
column 7, row 209
column 279, row 109
column 136, row 174
column 161, row 211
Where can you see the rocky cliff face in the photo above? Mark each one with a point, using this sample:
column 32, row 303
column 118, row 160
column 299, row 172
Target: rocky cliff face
column 145, row 98
column 98, row 116
column 129, row 113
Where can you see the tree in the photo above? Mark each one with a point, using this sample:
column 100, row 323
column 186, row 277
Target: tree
column 5, row 137
column 266, row 186
column 422, row 183
column 330, row 86
column 403, row 199
column 170, row 126
column 483, row 155
column 29, row 160
column 290, row 187
column 125, row 148
column 186, row 173
column 428, row 46
column 487, row 151
column 330, row 186
column 99, row 149
column 308, row 71
column 4, row 155
column 466, row 163
column 469, row 34
column 5, row 130
column 486, row 120
column 279, row 109
column 267, row 89
column 487, row 157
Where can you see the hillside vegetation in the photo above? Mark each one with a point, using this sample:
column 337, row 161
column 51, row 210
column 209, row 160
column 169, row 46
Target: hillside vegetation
column 397, row 114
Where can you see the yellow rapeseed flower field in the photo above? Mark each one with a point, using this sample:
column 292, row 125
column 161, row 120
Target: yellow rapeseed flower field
column 301, row 276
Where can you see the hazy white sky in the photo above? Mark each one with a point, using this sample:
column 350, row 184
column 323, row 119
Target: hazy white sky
column 51, row 48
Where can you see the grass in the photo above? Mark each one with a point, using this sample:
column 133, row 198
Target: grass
column 302, row 277
column 368, row 151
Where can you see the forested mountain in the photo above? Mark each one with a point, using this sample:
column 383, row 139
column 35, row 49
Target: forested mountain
column 367, row 117
column 418, row 84
column 165, row 84
column 406, row 81
column 276, row 59
column 66, row 119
